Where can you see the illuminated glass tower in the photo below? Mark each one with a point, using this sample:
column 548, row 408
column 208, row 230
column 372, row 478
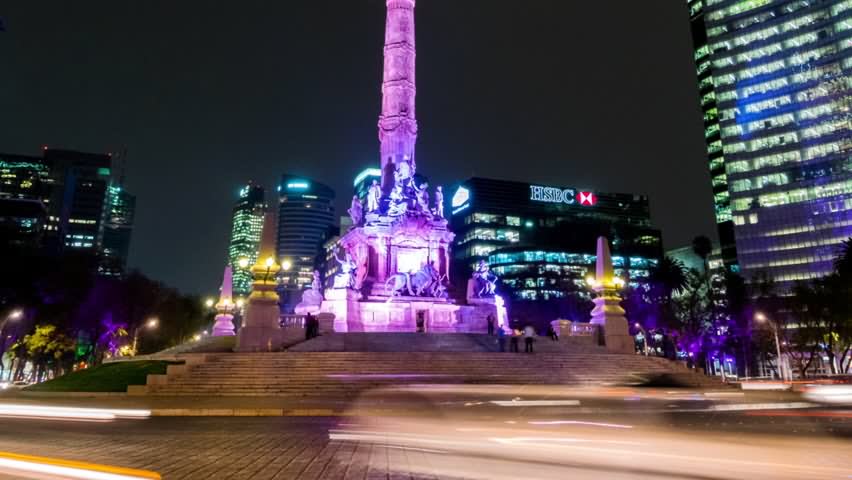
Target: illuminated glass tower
column 305, row 221
column 776, row 93
column 118, row 227
column 245, row 236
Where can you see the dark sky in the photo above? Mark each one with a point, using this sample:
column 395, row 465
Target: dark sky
column 208, row 94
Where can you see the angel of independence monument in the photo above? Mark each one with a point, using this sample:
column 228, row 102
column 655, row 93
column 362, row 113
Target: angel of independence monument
column 395, row 264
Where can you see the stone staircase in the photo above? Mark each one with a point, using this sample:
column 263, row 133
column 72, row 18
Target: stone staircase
column 445, row 342
column 344, row 373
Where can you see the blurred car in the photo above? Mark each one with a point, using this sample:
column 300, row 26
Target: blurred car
column 834, row 394
column 16, row 385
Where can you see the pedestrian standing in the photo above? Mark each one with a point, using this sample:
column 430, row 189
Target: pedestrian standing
column 551, row 332
column 501, row 339
column 490, row 321
column 513, row 342
column 529, row 338
column 309, row 326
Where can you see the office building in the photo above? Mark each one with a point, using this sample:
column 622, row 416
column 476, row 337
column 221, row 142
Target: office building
column 541, row 240
column 22, row 223
column 305, row 222
column 118, row 228
column 246, row 229
column 776, row 91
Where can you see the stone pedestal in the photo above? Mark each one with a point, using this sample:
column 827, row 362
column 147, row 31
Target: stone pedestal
column 610, row 316
column 343, row 304
column 260, row 331
column 224, row 326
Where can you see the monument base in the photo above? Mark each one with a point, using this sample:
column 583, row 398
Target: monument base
column 407, row 314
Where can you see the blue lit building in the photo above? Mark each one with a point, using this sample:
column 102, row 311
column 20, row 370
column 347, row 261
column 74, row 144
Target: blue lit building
column 305, row 222
column 776, row 92
column 541, row 240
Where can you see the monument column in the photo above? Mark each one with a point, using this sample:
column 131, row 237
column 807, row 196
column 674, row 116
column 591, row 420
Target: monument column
column 398, row 121
column 608, row 312
column 261, row 330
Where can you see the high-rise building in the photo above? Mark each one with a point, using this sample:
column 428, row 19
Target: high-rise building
column 776, row 92
column 245, row 236
column 118, row 228
column 541, row 240
column 305, row 222
column 24, row 177
column 77, row 209
column 87, row 210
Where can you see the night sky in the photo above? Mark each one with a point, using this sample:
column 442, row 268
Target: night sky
column 597, row 95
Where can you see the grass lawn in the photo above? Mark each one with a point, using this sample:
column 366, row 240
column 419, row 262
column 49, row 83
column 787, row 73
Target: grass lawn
column 109, row 377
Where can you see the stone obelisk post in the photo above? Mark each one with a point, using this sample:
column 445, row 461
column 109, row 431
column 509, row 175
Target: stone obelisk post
column 261, row 330
column 224, row 326
column 398, row 121
column 608, row 312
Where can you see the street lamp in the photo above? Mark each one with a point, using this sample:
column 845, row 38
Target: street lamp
column 243, row 263
column 14, row 315
column 209, row 303
column 150, row 324
column 761, row 318
column 286, row 265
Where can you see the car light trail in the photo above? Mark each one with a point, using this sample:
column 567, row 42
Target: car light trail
column 536, row 403
column 69, row 413
column 577, row 422
column 69, row 469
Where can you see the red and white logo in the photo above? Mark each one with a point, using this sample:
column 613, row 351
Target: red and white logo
column 587, row 198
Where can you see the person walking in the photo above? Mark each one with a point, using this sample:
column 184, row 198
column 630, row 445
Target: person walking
column 490, row 321
column 529, row 338
column 501, row 339
column 513, row 342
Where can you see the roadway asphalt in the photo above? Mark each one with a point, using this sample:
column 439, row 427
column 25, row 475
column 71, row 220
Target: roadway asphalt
column 479, row 432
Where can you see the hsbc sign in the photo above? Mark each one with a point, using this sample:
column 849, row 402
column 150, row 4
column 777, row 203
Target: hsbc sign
column 567, row 196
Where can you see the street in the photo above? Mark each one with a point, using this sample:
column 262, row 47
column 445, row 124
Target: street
column 473, row 432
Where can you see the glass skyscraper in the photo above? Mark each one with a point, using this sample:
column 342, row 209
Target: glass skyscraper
column 776, row 93
column 305, row 222
column 118, row 228
column 245, row 236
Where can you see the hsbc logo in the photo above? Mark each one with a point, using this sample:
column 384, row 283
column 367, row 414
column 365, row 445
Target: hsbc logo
column 568, row 196
column 588, row 198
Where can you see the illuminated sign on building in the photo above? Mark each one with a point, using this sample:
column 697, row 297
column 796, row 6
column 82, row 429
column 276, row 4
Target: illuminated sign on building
column 297, row 186
column 461, row 200
column 568, row 196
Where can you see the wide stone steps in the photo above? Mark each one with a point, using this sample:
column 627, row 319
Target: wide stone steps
column 346, row 373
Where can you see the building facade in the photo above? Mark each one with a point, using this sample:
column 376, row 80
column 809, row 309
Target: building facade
column 246, row 229
column 118, row 229
column 87, row 210
column 541, row 240
column 776, row 92
column 305, row 222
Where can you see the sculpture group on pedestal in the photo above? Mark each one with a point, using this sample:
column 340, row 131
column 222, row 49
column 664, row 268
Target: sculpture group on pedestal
column 311, row 298
column 427, row 282
column 484, row 280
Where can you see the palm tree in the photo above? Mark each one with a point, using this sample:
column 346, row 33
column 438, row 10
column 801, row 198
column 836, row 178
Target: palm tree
column 669, row 275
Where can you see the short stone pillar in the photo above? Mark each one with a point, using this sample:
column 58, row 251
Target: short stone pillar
column 608, row 312
column 342, row 303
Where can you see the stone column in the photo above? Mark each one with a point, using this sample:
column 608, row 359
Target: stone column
column 261, row 330
column 608, row 312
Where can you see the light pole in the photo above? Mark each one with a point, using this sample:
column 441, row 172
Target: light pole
column 761, row 318
column 14, row 315
column 150, row 324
